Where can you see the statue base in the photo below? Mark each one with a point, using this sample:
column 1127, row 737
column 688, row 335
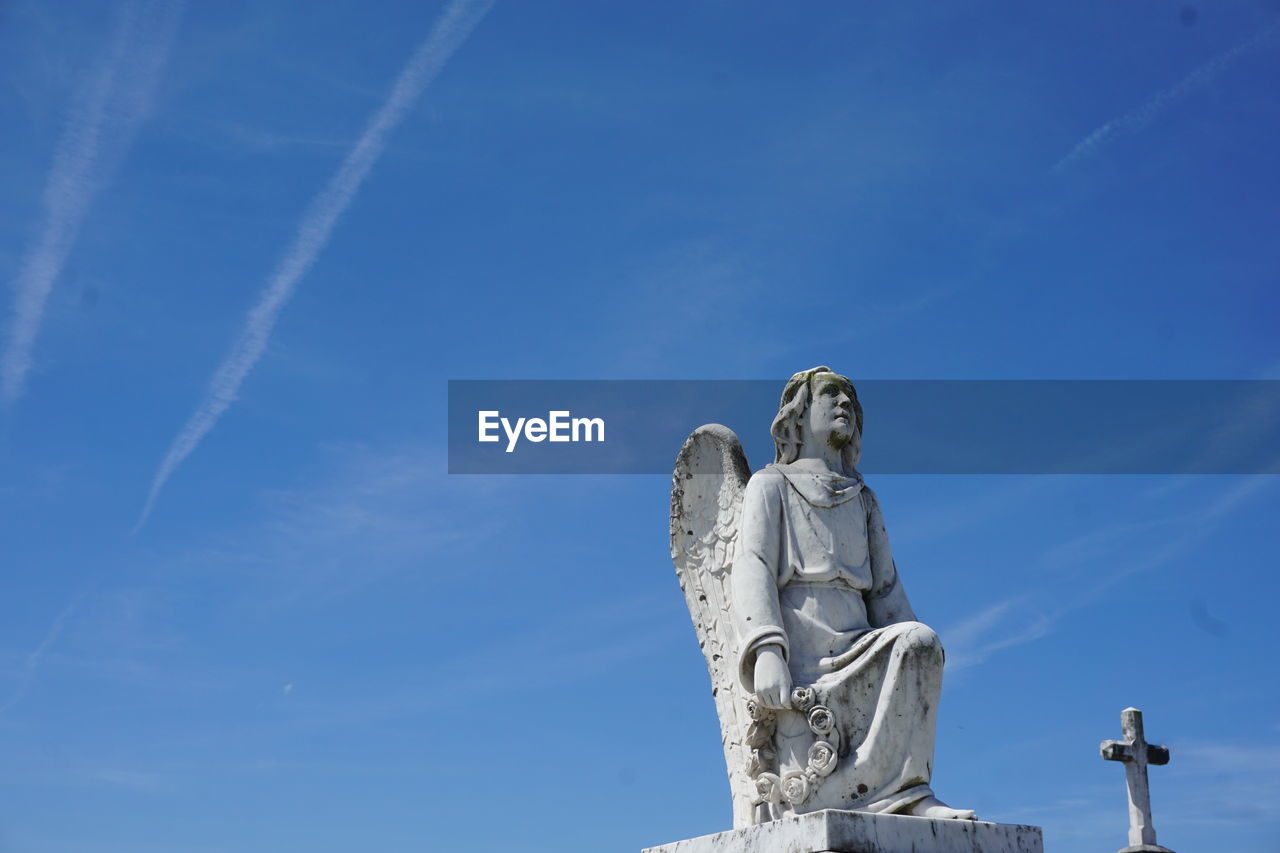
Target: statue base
column 833, row 831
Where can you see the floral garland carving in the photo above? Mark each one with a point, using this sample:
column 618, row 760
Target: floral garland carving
column 795, row 786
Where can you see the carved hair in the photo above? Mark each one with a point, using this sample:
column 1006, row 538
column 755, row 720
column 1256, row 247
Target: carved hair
column 786, row 430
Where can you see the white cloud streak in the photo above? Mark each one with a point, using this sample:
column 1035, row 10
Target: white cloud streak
column 1003, row 625
column 1138, row 119
column 452, row 28
column 32, row 663
column 106, row 113
column 1018, row 620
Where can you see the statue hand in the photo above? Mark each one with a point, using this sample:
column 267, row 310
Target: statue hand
column 773, row 679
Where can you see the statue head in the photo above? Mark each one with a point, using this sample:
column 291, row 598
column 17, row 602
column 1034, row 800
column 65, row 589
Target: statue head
column 827, row 396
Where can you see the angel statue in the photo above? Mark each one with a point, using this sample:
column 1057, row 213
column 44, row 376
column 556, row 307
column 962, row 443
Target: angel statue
column 826, row 685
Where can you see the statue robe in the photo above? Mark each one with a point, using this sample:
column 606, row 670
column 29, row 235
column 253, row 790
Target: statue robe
column 814, row 574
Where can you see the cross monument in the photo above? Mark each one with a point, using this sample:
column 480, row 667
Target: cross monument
column 1136, row 754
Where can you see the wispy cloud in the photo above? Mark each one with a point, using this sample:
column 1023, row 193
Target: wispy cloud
column 1226, row 789
column 32, row 662
column 1086, row 820
column 453, row 27
column 106, row 113
column 1243, row 787
column 1190, row 529
column 562, row 660
column 1019, row 619
column 1217, row 756
column 1138, row 119
column 380, row 509
column 1007, row 623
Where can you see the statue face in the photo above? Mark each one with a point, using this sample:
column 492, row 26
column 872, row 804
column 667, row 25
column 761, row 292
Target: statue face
column 829, row 418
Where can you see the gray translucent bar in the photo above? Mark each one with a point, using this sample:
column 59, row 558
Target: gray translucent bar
column 911, row 426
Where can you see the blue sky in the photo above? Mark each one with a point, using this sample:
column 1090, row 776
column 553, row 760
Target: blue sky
column 318, row 640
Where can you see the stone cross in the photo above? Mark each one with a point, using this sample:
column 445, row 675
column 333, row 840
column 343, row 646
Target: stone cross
column 1136, row 754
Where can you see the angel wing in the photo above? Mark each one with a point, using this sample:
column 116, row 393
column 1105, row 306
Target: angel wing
column 706, row 504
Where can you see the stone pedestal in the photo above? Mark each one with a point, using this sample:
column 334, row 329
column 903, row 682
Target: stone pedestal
column 856, row 832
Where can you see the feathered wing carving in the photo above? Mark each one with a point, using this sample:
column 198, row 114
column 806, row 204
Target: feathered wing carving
column 706, row 505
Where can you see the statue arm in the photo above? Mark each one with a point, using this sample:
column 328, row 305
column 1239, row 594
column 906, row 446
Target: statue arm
column 756, row 612
column 886, row 600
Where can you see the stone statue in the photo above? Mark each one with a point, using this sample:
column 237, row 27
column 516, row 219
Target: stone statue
column 825, row 684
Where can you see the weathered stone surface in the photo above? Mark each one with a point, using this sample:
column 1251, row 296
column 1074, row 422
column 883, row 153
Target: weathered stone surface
column 835, row 831
column 1136, row 754
column 826, row 685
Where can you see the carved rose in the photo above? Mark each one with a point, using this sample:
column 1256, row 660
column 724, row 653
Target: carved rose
column 795, row 788
column 758, row 712
column 769, row 788
column 822, row 758
column 802, row 698
column 821, row 720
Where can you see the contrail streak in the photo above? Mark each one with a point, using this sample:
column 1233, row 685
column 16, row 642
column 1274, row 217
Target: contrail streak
column 453, row 27
column 32, row 662
column 1138, row 119
column 106, row 113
